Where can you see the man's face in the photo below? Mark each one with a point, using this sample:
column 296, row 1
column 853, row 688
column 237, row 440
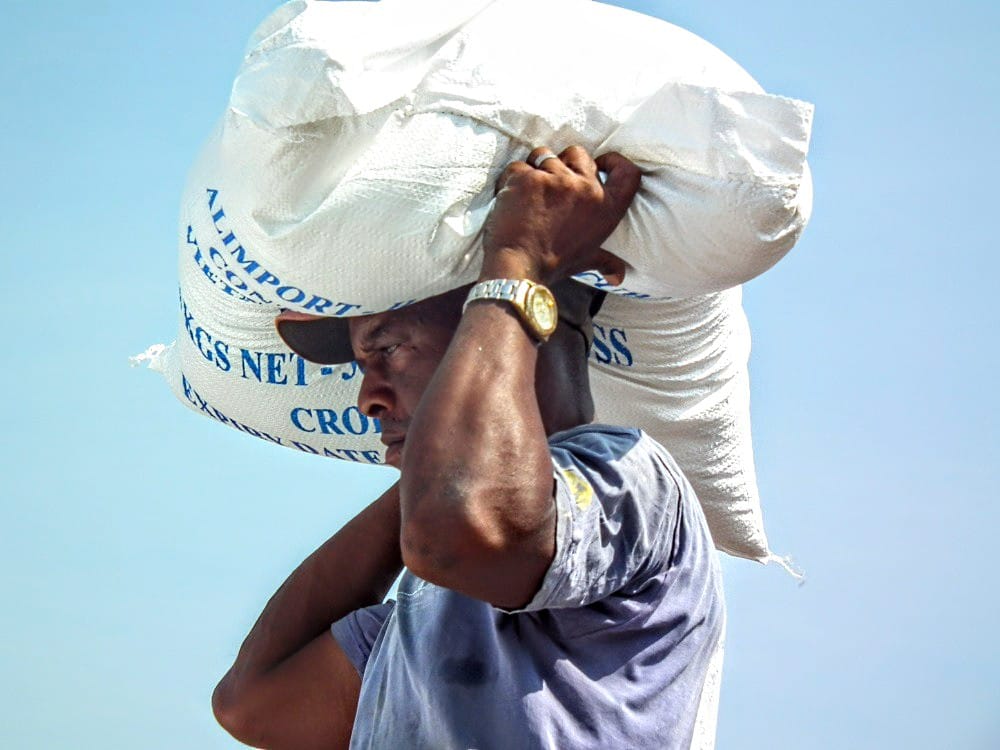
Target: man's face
column 398, row 353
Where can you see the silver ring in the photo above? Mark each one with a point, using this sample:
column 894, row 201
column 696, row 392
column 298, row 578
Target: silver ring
column 539, row 160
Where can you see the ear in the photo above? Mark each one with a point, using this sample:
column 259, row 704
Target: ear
column 611, row 267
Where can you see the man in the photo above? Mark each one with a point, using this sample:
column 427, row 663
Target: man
column 561, row 590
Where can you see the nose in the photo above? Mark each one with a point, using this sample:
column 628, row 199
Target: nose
column 376, row 397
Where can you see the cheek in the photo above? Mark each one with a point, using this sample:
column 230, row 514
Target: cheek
column 414, row 381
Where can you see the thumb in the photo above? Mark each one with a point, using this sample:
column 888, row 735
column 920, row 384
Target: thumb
column 622, row 182
column 612, row 267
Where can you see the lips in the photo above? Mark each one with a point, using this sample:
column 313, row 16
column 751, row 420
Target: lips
column 393, row 450
column 392, row 438
column 393, row 441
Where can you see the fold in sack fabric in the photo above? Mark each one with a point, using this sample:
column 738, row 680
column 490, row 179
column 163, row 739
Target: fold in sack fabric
column 388, row 144
column 355, row 167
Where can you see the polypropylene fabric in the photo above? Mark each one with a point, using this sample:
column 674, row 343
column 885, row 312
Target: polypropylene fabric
column 354, row 168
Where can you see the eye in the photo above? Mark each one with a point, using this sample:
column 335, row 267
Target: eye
column 386, row 353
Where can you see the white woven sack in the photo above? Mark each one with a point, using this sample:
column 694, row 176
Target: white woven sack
column 377, row 130
column 355, row 166
column 678, row 369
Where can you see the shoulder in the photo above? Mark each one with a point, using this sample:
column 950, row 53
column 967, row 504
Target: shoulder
column 604, row 439
column 616, row 454
column 617, row 496
column 634, row 480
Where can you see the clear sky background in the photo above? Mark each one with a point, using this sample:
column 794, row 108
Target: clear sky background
column 139, row 541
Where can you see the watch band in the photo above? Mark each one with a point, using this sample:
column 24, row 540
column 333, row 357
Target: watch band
column 534, row 303
column 511, row 290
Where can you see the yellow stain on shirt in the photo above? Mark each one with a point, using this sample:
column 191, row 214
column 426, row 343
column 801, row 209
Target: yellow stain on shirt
column 583, row 493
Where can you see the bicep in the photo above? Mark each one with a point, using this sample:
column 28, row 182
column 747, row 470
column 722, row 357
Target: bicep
column 307, row 701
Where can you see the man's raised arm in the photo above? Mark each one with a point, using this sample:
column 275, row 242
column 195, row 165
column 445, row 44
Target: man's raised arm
column 291, row 686
column 476, row 484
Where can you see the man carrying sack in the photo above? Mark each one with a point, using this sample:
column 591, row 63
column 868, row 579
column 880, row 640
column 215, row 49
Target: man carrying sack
column 560, row 586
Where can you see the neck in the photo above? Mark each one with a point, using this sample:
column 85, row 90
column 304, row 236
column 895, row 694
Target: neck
column 562, row 384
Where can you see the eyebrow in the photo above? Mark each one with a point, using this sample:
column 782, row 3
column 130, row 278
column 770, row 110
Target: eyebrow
column 370, row 337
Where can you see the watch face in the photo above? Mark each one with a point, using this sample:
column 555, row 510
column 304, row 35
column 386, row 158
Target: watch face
column 543, row 309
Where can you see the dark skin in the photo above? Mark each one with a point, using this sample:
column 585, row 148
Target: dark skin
column 467, row 403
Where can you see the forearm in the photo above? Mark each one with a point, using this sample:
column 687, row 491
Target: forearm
column 477, row 507
column 476, row 490
column 353, row 569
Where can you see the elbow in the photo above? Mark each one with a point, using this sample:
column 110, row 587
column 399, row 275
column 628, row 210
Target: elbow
column 434, row 533
column 233, row 712
column 461, row 550
column 433, row 553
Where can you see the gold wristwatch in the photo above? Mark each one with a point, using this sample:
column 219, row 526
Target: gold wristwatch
column 534, row 302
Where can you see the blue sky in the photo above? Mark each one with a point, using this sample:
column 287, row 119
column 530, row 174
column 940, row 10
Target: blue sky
column 138, row 542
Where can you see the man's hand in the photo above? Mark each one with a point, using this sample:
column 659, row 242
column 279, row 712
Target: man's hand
column 549, row 221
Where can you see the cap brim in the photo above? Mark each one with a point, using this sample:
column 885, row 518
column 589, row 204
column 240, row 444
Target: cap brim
column 325, row 341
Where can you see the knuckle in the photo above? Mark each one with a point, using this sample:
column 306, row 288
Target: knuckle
column 571, row 183
column 513, row 174
column 533, row 178
column 518, row 168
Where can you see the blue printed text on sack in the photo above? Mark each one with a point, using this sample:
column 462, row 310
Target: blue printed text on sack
column 611, row 347
column 239, row 270
column 271, row 368
column 330, row 422
column 346, row 454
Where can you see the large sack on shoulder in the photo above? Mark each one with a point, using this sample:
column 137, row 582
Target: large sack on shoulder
column 678, row 369
column 376, row 131
column 354, row 169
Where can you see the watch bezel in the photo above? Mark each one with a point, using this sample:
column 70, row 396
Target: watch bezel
column 534, row 292
column 521, row 293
